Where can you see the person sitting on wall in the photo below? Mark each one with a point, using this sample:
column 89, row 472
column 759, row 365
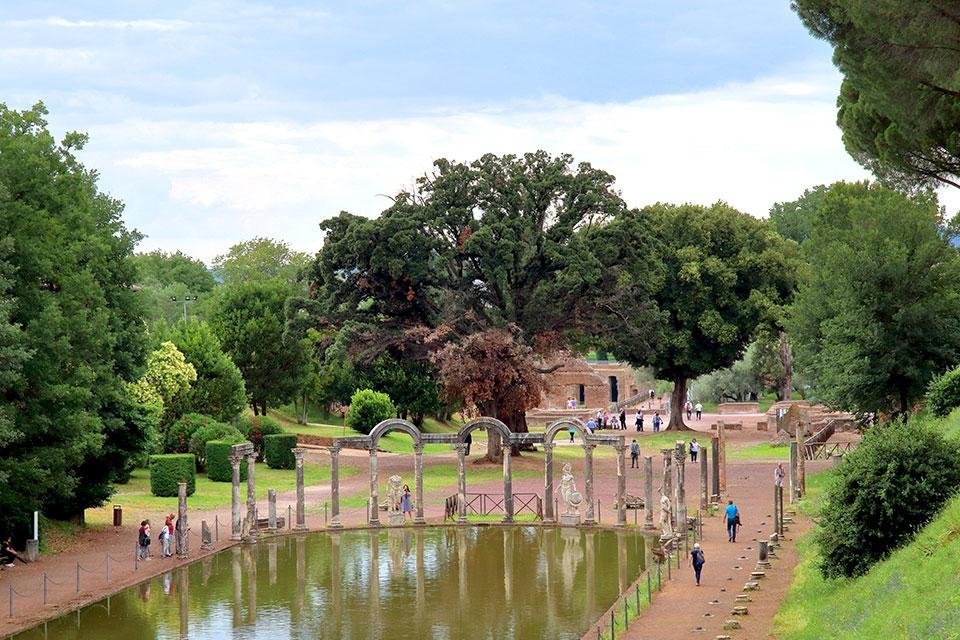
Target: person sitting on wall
column 8, row 554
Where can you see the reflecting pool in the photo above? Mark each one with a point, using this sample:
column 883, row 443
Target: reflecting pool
column 448, row 582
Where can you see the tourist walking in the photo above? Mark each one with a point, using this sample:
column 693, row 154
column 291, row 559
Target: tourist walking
column 778, row 475
column 688, row 407
column 623, row 419
column 732, row 518
column 694, row 450
column 166, row 538
column 656, row 421
column 639, row 420
column 697, row 560
column 143, row 540
column 699, row 409
column 634, row 455
column 468, row 441
column 405, row 504
column 572, row 432
column 591, row 425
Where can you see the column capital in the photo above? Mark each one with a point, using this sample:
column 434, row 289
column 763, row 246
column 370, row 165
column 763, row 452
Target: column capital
column 235, row 458
column 334, row 449
column 372, row 451
column 418, row 448
column 506, row 446
column 252, row 455
column 548, row 446
column 298, row 452
column 588, row 447
column 461, row 447
column 620, row 447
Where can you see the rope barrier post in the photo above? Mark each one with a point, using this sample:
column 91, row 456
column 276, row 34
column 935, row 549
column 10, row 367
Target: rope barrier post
column 598, row 632
column 289, row 516
column 669, row 568
column 638, row 599
column 216, row 527
column 44, row 588
column 136, row 558
column 598, row 512
column 613, row 631
column 649, row 588
column 108, row 567
column 626, row 614
column 324, row 513
column 11, row 601
column 78, row 577
column 659, row 577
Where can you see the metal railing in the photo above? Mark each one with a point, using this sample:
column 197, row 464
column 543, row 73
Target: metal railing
column 484, row 504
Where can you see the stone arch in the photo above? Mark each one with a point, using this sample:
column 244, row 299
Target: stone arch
column 395, row 424
column 484, row 423
column 564, row 424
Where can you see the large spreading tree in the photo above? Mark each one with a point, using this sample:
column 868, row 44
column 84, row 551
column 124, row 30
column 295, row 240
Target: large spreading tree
column 73, row 332
column 482, row 272
column 878, row 314
column 717, row 274
column 899, row 104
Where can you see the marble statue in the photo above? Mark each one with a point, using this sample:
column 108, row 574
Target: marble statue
column 394, row 494
column 568, row 493
column 666, row 528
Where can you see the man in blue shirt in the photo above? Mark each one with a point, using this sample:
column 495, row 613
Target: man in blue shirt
column 732, row 516
column 591, row 425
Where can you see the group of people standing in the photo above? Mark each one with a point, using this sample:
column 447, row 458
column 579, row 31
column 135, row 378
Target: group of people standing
column 166, row 538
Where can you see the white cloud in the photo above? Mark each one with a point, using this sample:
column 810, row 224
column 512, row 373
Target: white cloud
column 750, row 145
column 137, row 25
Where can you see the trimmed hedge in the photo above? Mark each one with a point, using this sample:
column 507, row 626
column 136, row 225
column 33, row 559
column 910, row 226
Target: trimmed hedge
column 277, row 450
column 367, row 409
column 219, row 468
column 167, row 470
column 178, row 435
column 255, row 428
column 207, row 432
column 943, row 394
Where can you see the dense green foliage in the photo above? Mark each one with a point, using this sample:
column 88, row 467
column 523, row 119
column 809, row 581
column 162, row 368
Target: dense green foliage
column 794, row 220
column 210, row 431
column 167, row 379
column 168, row 470
column 249, row 319
column 278, row 450
column 72, row 332
column 479, row 273
column 736, row 383
column 217, row 456
column 259, row 260
column 218, row 390
column 884, row 492
column 255, row 428
column 720, row 273
column 943, row 394
column 367, row 408
column 878, row 314
column 166, row 269
column 177, row 438
column 899, row 101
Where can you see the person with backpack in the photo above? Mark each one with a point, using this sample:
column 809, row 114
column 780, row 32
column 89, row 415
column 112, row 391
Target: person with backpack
column 732, row 518
column 166, row 538
column 696, row 561
column 143, row 540
column 656, row 421
column 634, row 455
column 639, row 420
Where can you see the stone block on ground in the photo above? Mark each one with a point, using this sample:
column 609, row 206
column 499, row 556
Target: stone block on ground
column 730, row 625
column 758, row 575
column 739, row 611
column 751, row 586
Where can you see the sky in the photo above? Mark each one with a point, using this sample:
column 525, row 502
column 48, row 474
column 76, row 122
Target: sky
column 218, row 121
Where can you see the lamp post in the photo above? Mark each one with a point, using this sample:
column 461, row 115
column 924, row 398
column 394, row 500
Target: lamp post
column 185, row 300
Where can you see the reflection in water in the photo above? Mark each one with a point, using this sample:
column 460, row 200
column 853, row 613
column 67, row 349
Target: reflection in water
column 453, row 583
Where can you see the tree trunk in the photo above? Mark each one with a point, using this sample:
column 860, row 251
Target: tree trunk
column 786, row 357
column 255, row 407
column 677, row 400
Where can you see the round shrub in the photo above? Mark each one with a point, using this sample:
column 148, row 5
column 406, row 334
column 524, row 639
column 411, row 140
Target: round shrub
column 277, row 450
column 256, row 427
column 219, row 468
column 885, row 491
column 168, row 470
column 367, row 408
column 178, row 435
column 207, row 432
column 943, row 394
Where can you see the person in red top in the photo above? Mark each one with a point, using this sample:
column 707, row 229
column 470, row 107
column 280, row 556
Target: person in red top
column 166, row 537
column 143, row 540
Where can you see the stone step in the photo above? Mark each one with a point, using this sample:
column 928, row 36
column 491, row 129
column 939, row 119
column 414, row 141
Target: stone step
column 742, row 597
column 730, row 625
column 739, row 611
column 758, row 575
column 751, row 586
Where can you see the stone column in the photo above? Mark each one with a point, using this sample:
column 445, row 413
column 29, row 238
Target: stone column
column 762, row 561
column 667, row 482
column 722, row 444
column 620, row 448
column 680, row 492
column 704, row 491
column 648, row 493
column 301, row 507
column 335, row 488
column 715, row 478
column 374, row 516
column 548, row 515
column 272, row 510
column 183, row 529
column 252, row 532
column 461, row 482
column 236, row 519
column 590, row 517
column 801, row 463
column 418, row 473
column 507, row 482
column 793, row 472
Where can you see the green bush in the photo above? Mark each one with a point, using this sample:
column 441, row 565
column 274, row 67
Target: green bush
column 256, row 427
column 367, row 408
column 277, row 450
column 207, row 432
column 219, row 468
column 178, row 435
column 885, row 491
column 168, row 470
column 943, row 394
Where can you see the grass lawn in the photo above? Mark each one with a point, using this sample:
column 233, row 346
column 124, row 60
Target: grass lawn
column 762, row 451
column 135, row 496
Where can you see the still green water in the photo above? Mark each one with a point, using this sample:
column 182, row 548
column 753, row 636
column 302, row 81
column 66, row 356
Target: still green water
column 455, row 583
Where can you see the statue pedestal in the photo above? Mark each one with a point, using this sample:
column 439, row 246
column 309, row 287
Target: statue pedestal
column 396, row 519
column 569, row 519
